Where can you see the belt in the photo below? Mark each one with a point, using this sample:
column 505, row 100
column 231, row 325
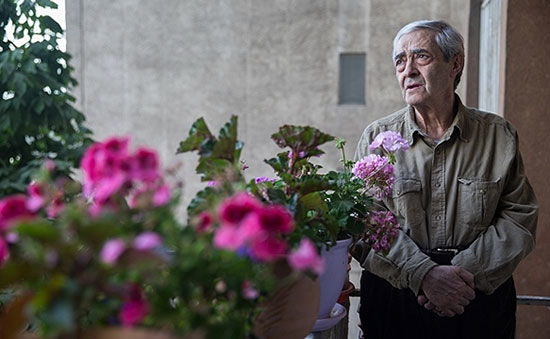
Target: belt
column 443, row 255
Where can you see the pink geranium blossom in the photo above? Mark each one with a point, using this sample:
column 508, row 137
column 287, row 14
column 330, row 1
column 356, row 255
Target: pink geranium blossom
column 112, row 250
column 389, row 141
column 145, row 165
column 236, row 208
column 248, row 291
column 228, row 237
column 377, row 172
column 35, row 196
column 383, row 228
column 268, row 249
column 4, row 251
column 135, row 308
column 203, row 222
column 12, row 209
column 147, row 241
column 56, row 205
column 306, row 257
column 276, row 219
column 161, row 196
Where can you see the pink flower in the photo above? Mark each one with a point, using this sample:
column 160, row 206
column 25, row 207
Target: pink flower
column 4, row 251
column 12, row 209
column 147, row 241
column 35, row 198
column 276, row 219
column 134, row 309
column 204, row 222
column 228, row 237
column 268, row 249
column 382, row 230
column 259, row 180
column 56, row 206
column 161, row 196
column 234, row 209
column 49, row 165
column 377, row 172
column 389, row 141
column 248, row 291
column 145, row 165
column 112, row 250
column 306, row 257
column 211, row 183
column 105, row 167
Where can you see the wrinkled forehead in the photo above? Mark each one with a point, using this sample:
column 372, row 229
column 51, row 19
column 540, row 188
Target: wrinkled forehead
column 417, row 39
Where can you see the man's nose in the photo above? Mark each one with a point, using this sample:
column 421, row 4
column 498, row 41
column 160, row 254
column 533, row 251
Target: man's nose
column 410, row 68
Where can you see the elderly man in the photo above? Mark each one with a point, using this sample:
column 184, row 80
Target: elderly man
column 467, row 212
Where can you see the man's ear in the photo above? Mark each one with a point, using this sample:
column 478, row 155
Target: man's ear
column 458, row 64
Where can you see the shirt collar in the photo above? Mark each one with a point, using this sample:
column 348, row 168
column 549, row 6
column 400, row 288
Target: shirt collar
column 459, row 124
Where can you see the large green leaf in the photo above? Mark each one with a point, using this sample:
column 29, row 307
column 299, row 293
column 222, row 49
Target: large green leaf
column 198, row 135
column 301, row 138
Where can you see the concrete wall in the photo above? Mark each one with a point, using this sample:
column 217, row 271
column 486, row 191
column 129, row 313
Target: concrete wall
column 526, row 104
column 150, row 68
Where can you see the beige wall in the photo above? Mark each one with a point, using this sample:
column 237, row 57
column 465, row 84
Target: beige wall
column 150, row 68
column 526, row 105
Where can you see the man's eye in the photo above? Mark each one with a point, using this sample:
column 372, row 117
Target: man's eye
column 422, row 56
column 398, row 62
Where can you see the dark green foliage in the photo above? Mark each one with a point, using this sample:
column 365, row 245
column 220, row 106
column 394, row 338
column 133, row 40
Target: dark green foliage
column 37, row 119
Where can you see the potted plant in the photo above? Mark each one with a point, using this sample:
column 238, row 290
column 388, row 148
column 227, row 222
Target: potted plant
column 327, row 208
column 111, row 255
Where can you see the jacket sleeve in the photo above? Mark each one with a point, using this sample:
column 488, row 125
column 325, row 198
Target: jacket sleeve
column 496, row 252
column 405, row 265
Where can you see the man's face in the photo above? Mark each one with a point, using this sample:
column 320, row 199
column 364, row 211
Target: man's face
column 423, row 74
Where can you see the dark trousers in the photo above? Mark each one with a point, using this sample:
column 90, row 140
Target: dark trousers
column 386, row 313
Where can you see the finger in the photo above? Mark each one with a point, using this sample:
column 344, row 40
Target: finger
column 422, row 300
column 466, row 276
column 429, row 306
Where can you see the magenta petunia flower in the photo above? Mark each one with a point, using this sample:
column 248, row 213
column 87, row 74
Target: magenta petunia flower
column 112, row 250
column 234, row 209
column 306, row 257
column 147, row 241
column 12, row 209
column 390, row 141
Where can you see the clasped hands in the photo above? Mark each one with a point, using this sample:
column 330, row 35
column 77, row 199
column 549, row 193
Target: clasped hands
column 447, row 290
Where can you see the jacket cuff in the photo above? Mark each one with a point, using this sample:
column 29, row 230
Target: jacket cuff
column 467, row 260
column 418, row 274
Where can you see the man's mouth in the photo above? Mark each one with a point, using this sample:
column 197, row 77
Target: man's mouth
column 412, row 86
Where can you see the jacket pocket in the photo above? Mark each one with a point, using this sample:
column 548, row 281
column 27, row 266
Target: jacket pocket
column 477, row 201
column 407, row 196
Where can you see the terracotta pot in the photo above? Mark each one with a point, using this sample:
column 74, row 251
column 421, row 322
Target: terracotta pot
column 291, row 311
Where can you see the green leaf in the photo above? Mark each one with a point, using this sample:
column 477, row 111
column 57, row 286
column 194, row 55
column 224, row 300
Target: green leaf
column 300, row 138
column 198, row 134
column 39, row 229
column 46, row 22
column 212, row 167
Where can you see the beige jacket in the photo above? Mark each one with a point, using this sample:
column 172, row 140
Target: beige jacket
column 469, row 189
